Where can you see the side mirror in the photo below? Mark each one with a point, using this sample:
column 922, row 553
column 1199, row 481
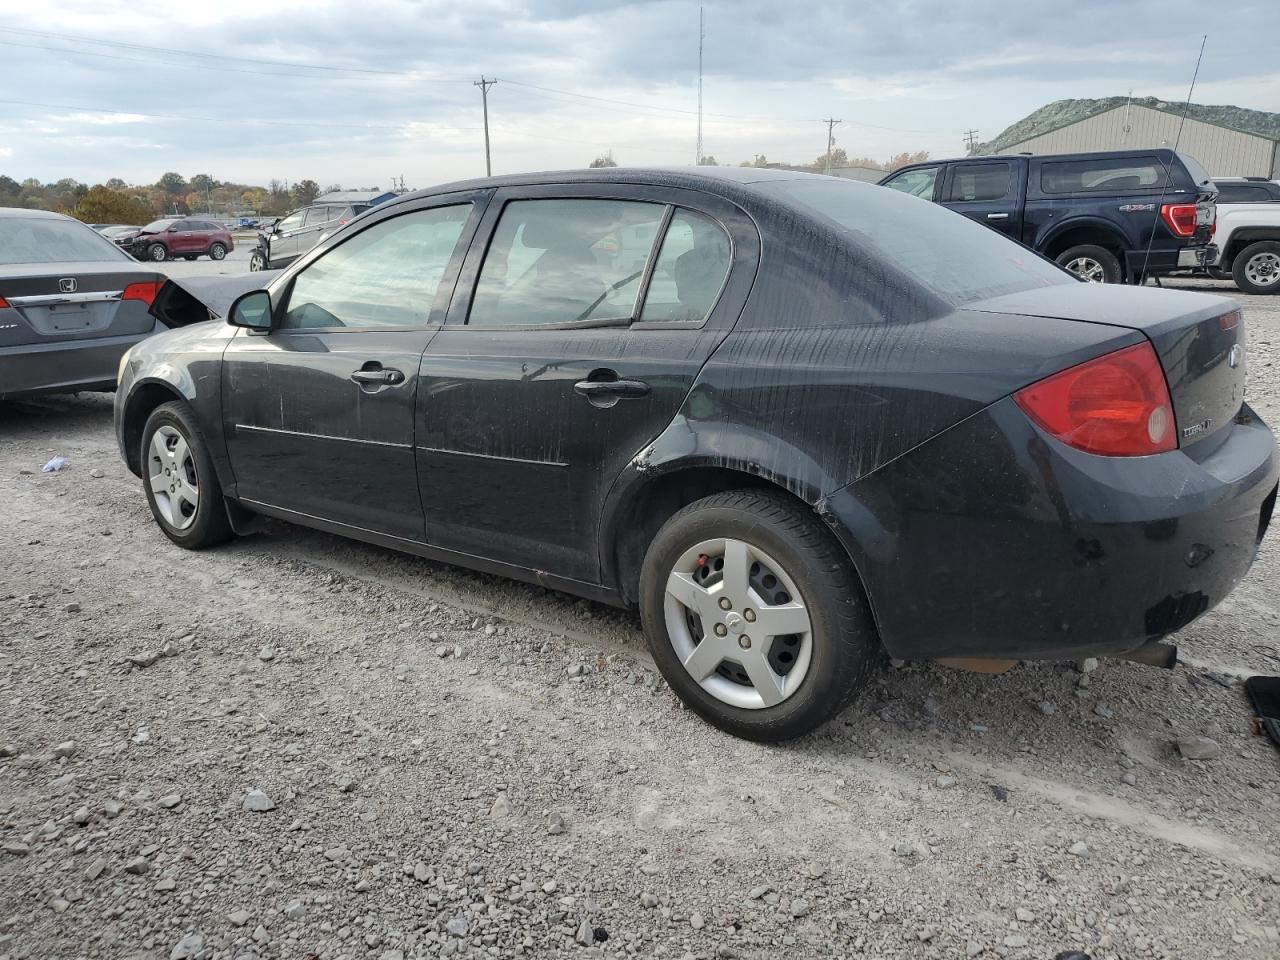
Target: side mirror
column 172, row 229
column 251, row 310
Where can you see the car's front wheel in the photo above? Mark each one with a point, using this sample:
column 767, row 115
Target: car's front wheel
column 257, row 261
column 157, row 252
column 178, row 477
column 1092, row 263
column 1256, row 268
column 217, row 251
column 755, row 616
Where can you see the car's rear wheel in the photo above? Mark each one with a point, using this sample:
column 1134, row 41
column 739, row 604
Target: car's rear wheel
column 178, row 477
column 1256, row 268
column 157, row 252
column 755, row 616
column 217, row 251
column 1092, row 263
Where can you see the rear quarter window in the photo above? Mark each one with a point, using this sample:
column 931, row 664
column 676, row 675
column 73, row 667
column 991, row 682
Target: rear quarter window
column 959, row 260
column 1104, row 175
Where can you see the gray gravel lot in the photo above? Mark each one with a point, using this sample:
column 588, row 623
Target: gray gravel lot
column 456, row 765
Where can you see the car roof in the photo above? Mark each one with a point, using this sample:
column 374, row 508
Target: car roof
column 26, row 214
column 1079, row 155
column 694, row 178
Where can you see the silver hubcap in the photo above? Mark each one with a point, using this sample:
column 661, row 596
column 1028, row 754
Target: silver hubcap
column 1088, row 268
column 217, row 253
column 157, row 252
column 172, row 475
column 1263, row 269
column 738, row 623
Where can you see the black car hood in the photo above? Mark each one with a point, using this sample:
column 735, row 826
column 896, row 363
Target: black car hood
column 186, row 300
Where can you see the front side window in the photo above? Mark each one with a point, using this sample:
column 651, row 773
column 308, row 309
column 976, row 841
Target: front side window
column 979, row 181
column 918, row 183
column 316, row 216
column 388, row 275
column 564, row 261
column 291, row 222
column 690, row 270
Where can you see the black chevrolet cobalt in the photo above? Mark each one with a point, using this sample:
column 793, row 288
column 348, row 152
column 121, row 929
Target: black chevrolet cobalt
column 795, row 420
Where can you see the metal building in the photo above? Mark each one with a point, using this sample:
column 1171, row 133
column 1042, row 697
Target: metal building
column 1223, row 151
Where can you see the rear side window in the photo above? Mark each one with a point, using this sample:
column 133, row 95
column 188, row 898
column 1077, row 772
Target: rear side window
column 918, row 183
column 1110, row 175
column 565, row 261
column 388, row 275
column 958, row 259
column 979, row 181
column 690, row 271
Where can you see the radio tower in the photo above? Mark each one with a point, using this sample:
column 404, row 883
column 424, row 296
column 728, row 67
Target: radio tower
column 701, row 33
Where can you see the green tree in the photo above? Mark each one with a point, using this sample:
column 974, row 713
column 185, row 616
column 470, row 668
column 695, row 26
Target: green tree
column 604, row 160
column 172, row 183
column 203, row 183
column 115, row 183
column 102, row 205
column 707, row 161
column 305, row 192
column 9, row 187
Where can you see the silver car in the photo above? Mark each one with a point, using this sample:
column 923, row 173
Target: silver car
column 71, row 304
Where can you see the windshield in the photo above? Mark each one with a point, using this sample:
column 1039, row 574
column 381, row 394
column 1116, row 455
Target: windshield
column 959, row 260
column 158, row 226
column 52, row 241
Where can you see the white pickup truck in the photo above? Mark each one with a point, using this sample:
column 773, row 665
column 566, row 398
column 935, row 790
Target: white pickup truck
column 1247, row 234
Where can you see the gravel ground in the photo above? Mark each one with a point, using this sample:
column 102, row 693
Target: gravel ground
column 300, row 747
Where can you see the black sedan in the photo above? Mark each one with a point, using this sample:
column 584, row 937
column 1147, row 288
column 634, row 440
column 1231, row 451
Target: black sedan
column 71, row 304
column 795, row 420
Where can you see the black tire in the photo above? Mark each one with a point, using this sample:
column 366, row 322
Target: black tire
column 217, row 251
column 1091, row 262
column 157, row 252
column 1258, row 262
column 845, row 645
column 209, row 525
column 257, row 261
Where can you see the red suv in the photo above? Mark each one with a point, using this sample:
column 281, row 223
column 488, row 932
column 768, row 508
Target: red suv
column 181, row 237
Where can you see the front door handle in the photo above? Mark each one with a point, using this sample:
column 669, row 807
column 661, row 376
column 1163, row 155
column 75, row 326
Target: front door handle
column 377, row 375
column 997, row 216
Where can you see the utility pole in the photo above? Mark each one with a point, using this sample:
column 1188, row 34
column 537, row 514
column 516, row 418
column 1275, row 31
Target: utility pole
column 970, row 139
column 484, row 86
column 701, row 34
column 831, row 140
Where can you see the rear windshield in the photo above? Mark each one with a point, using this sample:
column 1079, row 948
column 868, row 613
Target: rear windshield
column 959, row 260
column 52, row 241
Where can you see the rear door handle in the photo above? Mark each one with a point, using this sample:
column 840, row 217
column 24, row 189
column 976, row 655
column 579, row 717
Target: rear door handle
column 377, row 375
column 611, row 389
column 997, row 216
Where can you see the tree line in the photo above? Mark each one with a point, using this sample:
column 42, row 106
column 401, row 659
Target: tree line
column 839, row 158
column 116, row 201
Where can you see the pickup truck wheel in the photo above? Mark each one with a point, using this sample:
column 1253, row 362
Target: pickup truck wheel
column 1256, row 268
column 1092, row 263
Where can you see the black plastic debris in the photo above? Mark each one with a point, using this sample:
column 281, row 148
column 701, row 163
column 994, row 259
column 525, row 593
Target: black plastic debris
column 1073, row 955
column 600, row 935
column 999, row 792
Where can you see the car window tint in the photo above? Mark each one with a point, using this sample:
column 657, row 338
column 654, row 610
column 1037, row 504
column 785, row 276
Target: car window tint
column 387, row 275
column 979, row 181
column 918, row 183
column 690, row 269
column 42, row 240
column 957, row 258
column 1116, row 174
column 560, row 261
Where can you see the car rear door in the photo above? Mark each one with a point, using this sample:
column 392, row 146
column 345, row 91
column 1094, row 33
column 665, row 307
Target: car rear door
column 573, row 340
column 319, row 411
column 987, row 191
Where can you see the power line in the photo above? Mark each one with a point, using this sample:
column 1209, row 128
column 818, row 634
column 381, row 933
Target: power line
column 970, row 139
column 484, row 86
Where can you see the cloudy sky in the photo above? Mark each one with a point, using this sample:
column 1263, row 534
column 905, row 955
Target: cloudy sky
column 350, row 92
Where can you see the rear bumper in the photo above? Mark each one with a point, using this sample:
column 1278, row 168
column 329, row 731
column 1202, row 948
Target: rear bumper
column 995, row 540
column 63, row 367
column 1169, row 260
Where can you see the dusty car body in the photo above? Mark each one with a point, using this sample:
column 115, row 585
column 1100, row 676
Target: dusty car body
column 860, row 428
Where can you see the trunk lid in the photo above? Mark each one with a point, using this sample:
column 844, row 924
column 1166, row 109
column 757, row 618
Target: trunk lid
column 71, row 301
column 1198, row 337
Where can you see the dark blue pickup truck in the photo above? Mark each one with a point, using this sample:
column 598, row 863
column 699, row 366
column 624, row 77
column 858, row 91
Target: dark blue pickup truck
column 1093, row 213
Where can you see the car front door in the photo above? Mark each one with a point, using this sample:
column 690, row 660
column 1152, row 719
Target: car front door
column 986, row 191
column 923, row 182
column 319, row 411
column 284, row 238
column 556, row 368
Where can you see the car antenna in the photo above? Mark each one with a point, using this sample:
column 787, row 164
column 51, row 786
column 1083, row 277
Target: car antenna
column 1155, row 218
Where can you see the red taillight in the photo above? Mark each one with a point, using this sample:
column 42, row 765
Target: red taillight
column 1180, row 218
column 1117, row 405
column 3, row 303
column 146, row 292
